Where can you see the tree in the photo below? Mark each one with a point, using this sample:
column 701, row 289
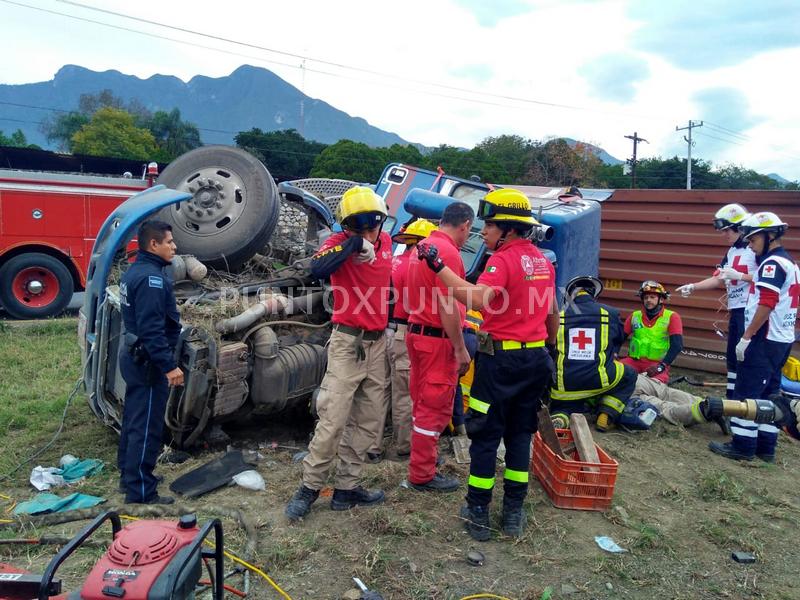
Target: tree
column 173, row 135
column 347, row 159
column 287, row 154
column 407, row 154
column 513, row 152
column 555, row 163
column 16, row 140
column 112, row 132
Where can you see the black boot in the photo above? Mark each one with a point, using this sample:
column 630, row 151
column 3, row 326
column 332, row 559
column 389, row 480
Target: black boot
column 300, row 504
column 358, row 496
column 439, row 483
column 514, row 520
column 728, row 450
column 476, row 522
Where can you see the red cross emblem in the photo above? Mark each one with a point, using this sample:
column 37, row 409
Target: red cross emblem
column 582, row 341
column 769, row 270
column 737, row 266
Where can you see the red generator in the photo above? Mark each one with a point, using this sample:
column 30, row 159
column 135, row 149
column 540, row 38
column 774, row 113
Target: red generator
column 148, row 560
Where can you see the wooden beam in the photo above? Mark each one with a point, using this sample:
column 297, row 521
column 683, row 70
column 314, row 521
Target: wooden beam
column 584, row 441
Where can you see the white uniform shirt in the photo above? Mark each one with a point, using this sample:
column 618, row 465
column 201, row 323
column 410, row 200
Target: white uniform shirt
column 744, row 260
column 780, row 274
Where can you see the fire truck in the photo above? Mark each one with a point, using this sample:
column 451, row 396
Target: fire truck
column 48, row 224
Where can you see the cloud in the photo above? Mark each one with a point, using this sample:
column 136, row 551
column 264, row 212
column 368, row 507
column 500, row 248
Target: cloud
column 725, row 105
column 612, row 76
column 489, row 14
column 714, row 33
column 478, row 73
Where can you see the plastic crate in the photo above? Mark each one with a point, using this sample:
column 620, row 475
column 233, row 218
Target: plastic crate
column 569, row 483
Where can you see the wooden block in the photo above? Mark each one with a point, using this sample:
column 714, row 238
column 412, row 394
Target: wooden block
column 584, row 441
column 548, row 432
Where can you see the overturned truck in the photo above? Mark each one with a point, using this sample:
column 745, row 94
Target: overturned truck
column 255, row 322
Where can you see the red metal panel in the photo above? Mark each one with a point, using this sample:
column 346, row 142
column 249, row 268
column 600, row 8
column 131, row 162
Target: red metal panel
column 667, row 235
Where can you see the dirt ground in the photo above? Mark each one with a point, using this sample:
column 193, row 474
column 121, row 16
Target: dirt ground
column 678, row 509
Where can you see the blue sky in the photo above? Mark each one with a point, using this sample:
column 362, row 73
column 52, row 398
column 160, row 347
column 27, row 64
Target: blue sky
column 456, row 71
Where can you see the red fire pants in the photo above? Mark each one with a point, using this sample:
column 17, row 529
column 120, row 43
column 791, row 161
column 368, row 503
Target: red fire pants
column 433, row 377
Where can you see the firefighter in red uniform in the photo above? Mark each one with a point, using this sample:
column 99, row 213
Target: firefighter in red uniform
column 435, row 342
column 359, row 264
column 515, row 294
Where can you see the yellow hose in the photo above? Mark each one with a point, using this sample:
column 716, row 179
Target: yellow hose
column 236, row 559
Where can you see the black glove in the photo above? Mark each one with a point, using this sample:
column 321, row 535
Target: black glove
column 552, row 350
column 656, row 370
column 430, row 254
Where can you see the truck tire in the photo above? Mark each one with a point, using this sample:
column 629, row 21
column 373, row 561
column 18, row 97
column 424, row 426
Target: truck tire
column 35, row 285
column 234, row 208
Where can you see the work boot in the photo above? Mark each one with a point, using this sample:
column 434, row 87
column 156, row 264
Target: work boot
column 514, row 520
column 767, row 458
column 476, row 522
column 439, row 483
column 374, row 457
column 300, row 504
column 358, row 496
column 728, row 450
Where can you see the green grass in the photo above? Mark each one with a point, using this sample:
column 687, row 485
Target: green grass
column 40, row 364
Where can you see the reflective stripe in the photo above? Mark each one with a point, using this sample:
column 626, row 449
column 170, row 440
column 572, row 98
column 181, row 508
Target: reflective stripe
column 731, row 374
column 483, row 483
column 518, row 476
column 730, row 386
column 427, row 432
column 614, row 403
column 144, row 440
column 601, row 368
column 750, row 433
column 561, row 394
column 768, row 429
column 515, row 345
column 478, row 405
column 696, row 414
column 744, row 423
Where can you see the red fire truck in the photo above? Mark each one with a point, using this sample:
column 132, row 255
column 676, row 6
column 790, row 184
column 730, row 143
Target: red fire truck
column 48, row 223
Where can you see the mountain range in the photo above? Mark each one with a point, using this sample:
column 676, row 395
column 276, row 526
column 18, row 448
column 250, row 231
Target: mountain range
column 220, row 106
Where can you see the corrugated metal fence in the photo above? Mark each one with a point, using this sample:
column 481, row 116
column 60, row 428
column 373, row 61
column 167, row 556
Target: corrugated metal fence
column 667, row 235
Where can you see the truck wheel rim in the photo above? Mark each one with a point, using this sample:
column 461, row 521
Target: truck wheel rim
column 218, row 200
column 36, row 287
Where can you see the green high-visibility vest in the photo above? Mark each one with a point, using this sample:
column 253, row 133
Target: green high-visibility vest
column 649, row 342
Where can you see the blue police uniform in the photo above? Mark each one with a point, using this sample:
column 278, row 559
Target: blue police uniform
column 152, row 327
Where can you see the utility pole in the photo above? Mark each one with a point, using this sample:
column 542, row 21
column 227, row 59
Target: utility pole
column 632, row 161
column 689, row 143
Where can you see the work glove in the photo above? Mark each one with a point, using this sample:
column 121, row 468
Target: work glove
column 656, row 370
column 741, row 348
column 430, row 254
column 367, row 252
column 729, row 273
column 686, row 290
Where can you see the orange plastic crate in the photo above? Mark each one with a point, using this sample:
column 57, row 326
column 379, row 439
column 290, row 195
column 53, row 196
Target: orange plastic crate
column 567, row 482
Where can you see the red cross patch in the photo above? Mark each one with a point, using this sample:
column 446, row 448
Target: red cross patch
column 768, row 271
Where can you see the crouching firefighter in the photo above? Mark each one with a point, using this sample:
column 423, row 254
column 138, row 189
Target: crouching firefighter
column 588, row 378
column 147, row 361
column 350, row 402
column 515, row 294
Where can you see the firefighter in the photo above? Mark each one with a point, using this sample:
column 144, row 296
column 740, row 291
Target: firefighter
column 147, row 361
column 769, row 332
column 588, row 378
column 656, row 333
column 359, row 263
column 436, row 350
column 515, row 295
column 735, row 273
column 399, row 364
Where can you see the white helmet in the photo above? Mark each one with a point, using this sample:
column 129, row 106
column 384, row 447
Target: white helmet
column 730, row 216
column 763, row 222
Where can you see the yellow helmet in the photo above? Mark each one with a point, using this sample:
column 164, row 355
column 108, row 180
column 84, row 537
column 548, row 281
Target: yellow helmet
column 763, row 222
column 360, row 209
column 418, row 230
column 506, row 206
column 730, row 216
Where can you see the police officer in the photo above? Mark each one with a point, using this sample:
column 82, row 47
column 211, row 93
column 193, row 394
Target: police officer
column 147, row 361
column 436, row 350
column 359, row 263
column 515, row 294
column 656, row 333
column 589, row 337
column 735, row 274
column 769, row 332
